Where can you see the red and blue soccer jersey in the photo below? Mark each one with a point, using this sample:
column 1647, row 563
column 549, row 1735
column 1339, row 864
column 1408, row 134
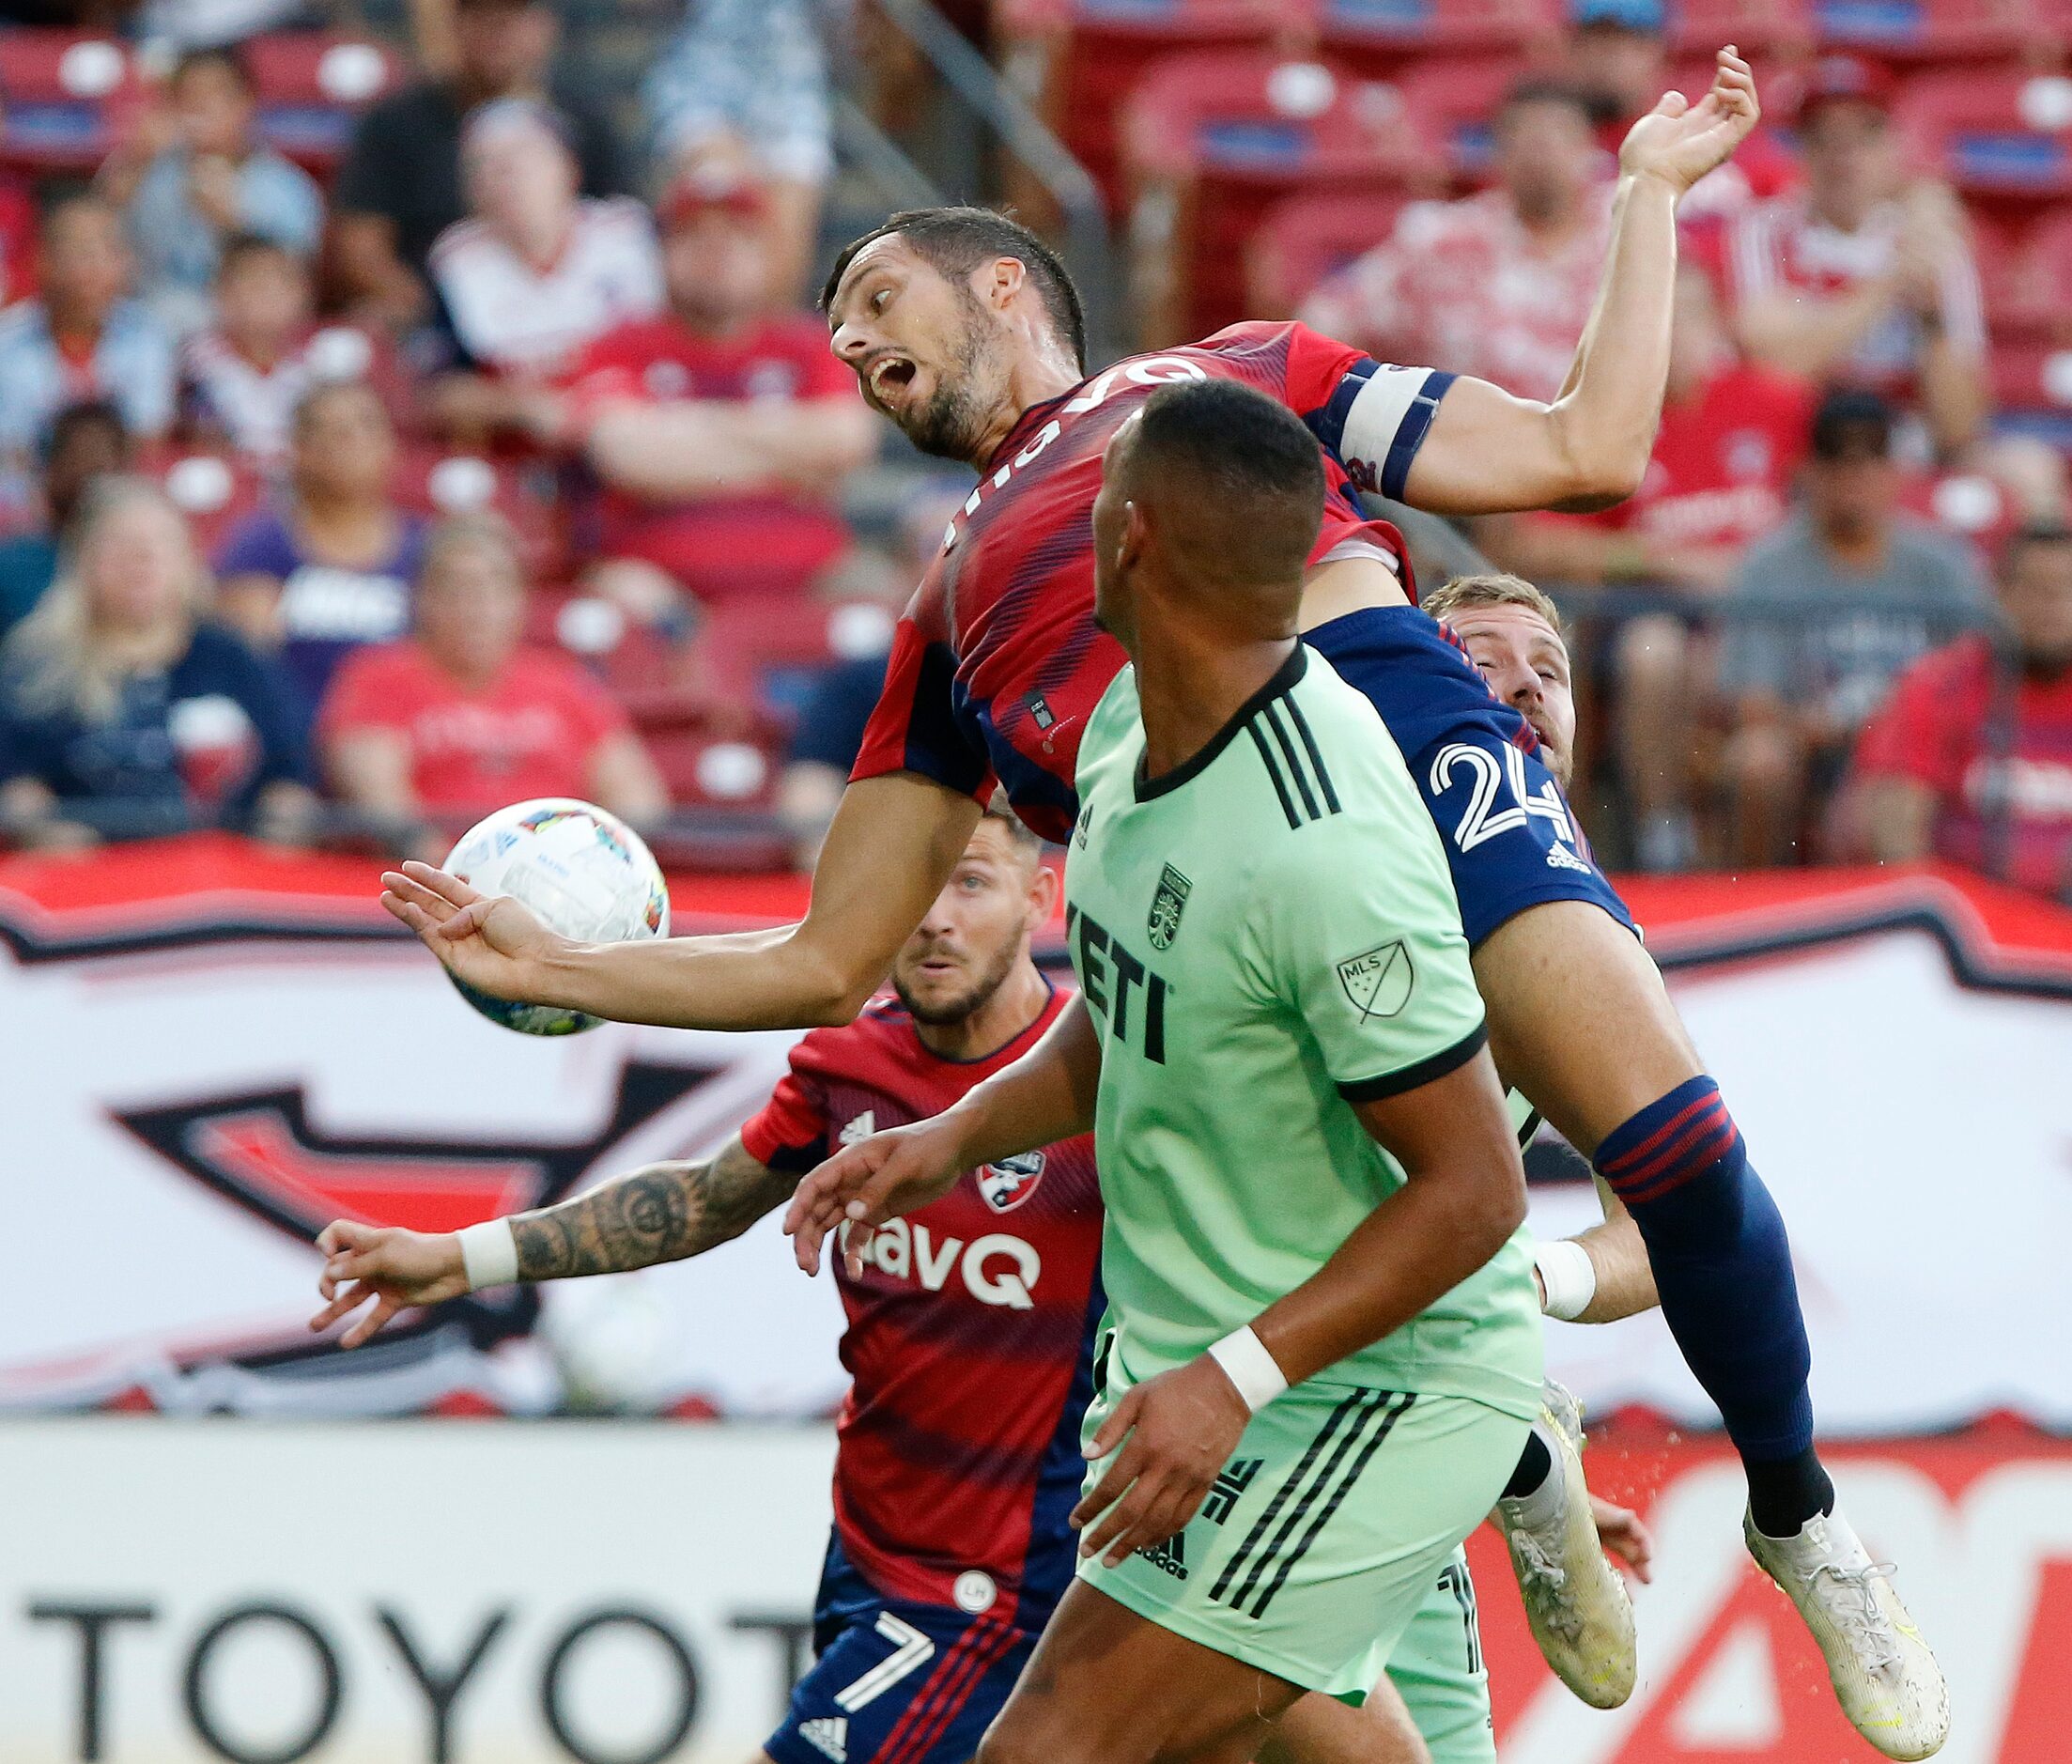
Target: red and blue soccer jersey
column 998, row 663
column 970, row 1333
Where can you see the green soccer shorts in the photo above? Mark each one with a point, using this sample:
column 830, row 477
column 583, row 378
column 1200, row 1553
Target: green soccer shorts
column 1327, row 1531
column 1438, row 1671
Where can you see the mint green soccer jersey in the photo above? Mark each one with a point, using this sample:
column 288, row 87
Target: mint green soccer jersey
column 1265, row 936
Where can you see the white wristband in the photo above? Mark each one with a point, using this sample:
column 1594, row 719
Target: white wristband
column 488, row 1254
column 1243, row 1357
column 1570, row 1276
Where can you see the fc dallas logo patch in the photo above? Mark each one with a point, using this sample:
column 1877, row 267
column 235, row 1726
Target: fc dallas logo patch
column 1011, row 1180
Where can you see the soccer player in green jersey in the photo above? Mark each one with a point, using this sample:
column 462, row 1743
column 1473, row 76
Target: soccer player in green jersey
column 1323, row 1350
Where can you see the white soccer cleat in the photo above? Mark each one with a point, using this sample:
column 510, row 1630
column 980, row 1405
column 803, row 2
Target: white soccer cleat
column 1884, row 1676
column 1574, row 1597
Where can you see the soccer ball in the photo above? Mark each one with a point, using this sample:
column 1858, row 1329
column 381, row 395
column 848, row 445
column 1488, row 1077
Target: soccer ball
column 586, row 873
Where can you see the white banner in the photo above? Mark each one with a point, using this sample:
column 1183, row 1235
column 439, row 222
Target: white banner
column 187, row 1593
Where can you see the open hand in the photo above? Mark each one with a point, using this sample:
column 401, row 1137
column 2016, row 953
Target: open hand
column 394, row 1267
column 1680, row 142
column 489, row 940
column 1176, row 1432
column 866, row 1183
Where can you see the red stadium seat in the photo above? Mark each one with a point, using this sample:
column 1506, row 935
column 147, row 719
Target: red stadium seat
column 437, row 481
column 712, row 755
column 1213, row 142
column 1925, row 32
column 1382, row 39
column 1453, row 108
column 2033, row 390
column 311, row 86
column 214, row 490
column 69, row 97
column 1081, row 59
column 1306, row 239
column 1999, row 136
column 2027, row 273
column 1768, row 31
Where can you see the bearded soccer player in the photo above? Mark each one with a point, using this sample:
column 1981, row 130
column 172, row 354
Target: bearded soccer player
column 969, row 1338
column 966, row 331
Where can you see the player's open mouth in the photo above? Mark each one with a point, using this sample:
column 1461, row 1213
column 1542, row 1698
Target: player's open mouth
column 890, row 374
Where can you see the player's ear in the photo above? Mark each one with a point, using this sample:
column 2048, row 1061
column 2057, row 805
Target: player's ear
column 1043, row 895
column 1009, row 275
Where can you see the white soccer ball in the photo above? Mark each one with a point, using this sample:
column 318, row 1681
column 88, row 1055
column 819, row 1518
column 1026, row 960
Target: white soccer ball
column 583, row 872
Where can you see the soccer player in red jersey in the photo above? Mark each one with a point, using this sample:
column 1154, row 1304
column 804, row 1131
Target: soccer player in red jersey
column 966, row 331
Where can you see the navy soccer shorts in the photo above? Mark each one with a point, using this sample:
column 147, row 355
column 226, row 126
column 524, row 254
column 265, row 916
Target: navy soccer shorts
column 1510, row 837
column 895, row 1682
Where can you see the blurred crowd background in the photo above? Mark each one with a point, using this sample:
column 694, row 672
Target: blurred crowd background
column 408, row 407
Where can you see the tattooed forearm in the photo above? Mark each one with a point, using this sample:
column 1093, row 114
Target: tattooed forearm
column 661, row 1214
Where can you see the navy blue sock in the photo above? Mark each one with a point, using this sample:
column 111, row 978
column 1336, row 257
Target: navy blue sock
column 1723, row 1266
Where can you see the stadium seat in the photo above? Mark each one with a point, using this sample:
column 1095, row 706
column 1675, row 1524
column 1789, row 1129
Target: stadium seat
column 711, row 755
column 1925, row 32
column 2027, row 275
column 1999, row 136
column 1213, row 142
column 435, row 481
column 311, row 86
column 69, row 95
column 1080, row 59
column 1771, row 31
column 1452, row 108
column 1382, row 39
column 2035, row 378
column 1306, row 239
column 214, row 490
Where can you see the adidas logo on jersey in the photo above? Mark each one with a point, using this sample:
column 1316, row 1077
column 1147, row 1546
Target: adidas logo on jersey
column 828, row 1735
column 860, row 1127
column 1172, row 1555
column 1561, row 857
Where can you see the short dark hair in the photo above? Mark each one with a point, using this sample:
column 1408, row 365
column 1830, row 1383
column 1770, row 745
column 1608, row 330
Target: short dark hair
column 1848, row 418
column 1539, row 88
column 2026, row 539
column 224, row 56
column 956, row 241
column 240, row 246
column 102, row 414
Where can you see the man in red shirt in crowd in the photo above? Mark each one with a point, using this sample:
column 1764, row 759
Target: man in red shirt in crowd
column 1732, row 435
column 720, row 428
column 460, row 719
column 1970, row 759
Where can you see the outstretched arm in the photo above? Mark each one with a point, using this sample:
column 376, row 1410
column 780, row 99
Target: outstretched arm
column 1044, row 1096
column 1489, row 453
column 663, row 1212
column 893, row 844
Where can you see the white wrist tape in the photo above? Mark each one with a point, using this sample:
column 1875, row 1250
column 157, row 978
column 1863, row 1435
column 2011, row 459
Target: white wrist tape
column 1251, row 1369
column 488, row 1254
column 1570, row 1276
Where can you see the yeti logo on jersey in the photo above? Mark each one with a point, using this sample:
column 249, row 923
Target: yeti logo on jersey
column 1166, row 906
column 1006, row 1184
column 1377, row 981
column 860, row 1127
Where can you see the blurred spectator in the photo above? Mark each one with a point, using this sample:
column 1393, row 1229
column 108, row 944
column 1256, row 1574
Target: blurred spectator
column 241, row 380
column 83, row 338
column 195, row 174
column 328, row 569
column 534, row 272
column 1864, row 274
column 123, row 711
column 460, row 719
column 1828, row 611
column 1732, row 433
column 85, row 441
column 752, row 72
column 1498, row 285
column 1971, row 760
column 824, row 750
column 722, row 429
column 1617, row 56
column 17, row 235
column 400, row 185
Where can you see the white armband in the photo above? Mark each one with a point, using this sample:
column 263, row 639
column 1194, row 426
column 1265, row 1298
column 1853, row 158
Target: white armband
column 1570, row 1276
column 1244, row 1357
column 1385, row 424
column 488, row 1254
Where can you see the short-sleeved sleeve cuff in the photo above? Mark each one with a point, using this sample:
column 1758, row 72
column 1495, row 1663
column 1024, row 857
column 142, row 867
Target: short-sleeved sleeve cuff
column 916, row 727
column 1405, row 1078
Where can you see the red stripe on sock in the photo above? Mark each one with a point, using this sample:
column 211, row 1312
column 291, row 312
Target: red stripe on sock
column 1696, row 1165
column 1668, row 1156
column 1668, row 1127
